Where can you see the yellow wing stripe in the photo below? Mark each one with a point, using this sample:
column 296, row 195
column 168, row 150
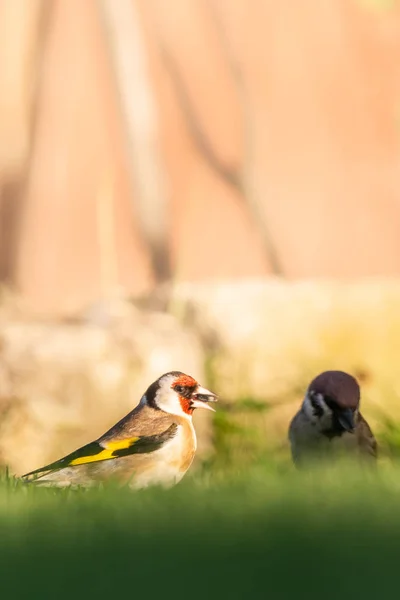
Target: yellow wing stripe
column 100, row 451
column 121, row 444
column 107, row 453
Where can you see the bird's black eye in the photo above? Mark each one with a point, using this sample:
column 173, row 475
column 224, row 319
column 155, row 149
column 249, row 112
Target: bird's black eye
column 184, row 390
column 329, row 401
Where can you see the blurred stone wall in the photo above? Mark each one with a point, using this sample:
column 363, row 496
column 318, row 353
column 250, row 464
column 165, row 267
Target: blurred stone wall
column 149, row 140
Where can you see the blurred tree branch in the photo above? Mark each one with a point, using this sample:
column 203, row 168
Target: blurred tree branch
column 240, row 177
column 247, row 175
column 230, row 174
column 22, row 30
column 140, row 123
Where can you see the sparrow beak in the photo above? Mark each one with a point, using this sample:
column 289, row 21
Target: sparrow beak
column 346, row 419
column 201, row 397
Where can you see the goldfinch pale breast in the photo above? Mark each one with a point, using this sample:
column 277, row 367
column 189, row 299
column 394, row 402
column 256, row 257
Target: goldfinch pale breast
column 153, row 444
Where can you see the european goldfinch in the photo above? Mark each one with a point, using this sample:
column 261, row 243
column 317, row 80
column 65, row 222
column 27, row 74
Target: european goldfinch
column 153, row 444
column 329, row 423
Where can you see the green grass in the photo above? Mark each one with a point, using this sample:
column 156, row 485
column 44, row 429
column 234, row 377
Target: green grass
column 265, row 533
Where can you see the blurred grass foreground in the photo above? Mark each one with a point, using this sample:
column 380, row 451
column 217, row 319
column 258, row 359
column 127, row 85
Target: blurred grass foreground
column 265, row 534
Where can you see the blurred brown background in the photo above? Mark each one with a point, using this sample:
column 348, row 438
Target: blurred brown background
column 194, row 139
column 151, row 145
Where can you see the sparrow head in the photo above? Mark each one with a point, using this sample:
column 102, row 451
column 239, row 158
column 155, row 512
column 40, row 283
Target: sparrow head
column 178, row 394
column 332, row 402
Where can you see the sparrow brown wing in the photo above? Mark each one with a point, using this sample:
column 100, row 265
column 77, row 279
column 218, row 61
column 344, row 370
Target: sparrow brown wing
column 305, row 440
column 107, row 449
column 365, row 438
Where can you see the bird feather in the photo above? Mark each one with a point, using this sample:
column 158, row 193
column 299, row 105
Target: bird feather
column 107, row 450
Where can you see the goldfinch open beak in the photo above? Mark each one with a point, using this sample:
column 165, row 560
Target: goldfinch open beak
column 201, row 397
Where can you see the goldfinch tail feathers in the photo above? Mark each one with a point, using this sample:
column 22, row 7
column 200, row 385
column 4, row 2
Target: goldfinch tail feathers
column 106, row 450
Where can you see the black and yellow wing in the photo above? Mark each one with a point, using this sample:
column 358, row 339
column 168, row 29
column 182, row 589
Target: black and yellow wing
column 106, row 450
